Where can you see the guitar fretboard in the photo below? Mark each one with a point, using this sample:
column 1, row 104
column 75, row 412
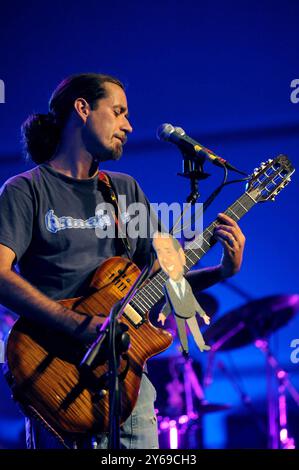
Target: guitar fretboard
column 153, row 291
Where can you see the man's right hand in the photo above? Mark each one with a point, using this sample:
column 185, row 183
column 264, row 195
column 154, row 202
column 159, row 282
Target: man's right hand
column 88, row 327
column 161, row 318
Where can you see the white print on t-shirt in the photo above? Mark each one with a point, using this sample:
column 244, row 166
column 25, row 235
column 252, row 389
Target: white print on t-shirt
column 54, row 224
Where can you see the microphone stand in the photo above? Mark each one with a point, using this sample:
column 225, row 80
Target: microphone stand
column 110, row 330
column 279, row 437
column 114, row 359
column 193, row 170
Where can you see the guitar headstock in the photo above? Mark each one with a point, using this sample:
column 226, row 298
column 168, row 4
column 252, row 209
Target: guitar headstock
column 270, row 178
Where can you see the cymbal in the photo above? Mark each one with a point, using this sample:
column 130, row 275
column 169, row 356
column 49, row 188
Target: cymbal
column 256, row 319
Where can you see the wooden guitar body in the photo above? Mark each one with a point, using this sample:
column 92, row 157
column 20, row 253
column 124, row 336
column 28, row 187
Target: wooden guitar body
column 42, row 365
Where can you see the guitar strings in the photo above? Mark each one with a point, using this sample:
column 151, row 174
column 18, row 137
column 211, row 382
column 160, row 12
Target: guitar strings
column 147, row 296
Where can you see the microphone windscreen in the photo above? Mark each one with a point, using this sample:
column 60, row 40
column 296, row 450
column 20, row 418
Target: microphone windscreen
column 164, row 131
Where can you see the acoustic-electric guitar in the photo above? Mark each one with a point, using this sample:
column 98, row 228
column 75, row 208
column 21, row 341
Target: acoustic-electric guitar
column 42, row 366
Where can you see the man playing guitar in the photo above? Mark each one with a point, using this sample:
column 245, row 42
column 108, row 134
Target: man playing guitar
column 50, row 228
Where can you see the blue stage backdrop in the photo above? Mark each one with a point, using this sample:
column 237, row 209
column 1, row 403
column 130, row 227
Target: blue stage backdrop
column 224, row 71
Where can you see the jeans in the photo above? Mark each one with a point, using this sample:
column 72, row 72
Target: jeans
column 139, row 431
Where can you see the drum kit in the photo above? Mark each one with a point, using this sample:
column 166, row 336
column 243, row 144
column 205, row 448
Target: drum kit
column 250, row 324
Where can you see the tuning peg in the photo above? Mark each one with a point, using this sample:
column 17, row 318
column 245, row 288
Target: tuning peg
column 275, row 194
column 263, row 165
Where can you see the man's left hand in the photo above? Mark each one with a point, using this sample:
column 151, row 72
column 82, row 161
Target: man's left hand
column 232, row 239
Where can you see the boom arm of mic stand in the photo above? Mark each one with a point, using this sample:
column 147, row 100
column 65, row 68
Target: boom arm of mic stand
column 95, row 348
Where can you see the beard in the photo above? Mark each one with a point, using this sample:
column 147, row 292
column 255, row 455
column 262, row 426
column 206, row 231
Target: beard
column 100, row 152
column 117, row 151
column 114, row 153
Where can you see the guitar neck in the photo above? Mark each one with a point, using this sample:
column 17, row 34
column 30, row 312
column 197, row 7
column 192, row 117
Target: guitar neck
column 152, row 292
column 202, row 244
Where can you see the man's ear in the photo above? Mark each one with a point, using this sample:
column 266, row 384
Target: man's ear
column 82, row 109
column 182, row 256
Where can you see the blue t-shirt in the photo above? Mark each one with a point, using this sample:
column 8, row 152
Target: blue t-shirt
column 56, row 227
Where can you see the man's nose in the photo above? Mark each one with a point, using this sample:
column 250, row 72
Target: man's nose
column 126, row 127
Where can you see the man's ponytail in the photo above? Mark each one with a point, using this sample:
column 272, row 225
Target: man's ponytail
column 40, row 137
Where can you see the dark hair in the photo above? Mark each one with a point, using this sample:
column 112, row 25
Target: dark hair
column 41, row 132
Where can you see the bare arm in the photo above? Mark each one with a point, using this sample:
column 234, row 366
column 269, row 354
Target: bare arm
column 20, row 296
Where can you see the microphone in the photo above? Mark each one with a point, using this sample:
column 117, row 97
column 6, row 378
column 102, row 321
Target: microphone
column 178, row 136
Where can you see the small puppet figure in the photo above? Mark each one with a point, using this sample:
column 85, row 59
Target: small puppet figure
column 179, row 296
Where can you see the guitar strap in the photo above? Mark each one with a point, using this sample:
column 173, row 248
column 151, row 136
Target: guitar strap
column 105, row 185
